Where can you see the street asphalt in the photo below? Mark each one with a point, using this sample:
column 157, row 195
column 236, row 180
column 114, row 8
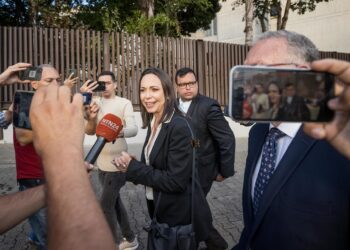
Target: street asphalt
column 224, row 199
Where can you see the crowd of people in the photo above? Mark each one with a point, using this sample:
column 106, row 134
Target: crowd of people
column 286, row 100
column 296, row 185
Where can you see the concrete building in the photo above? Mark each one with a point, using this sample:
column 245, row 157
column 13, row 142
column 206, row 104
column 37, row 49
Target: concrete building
column 327, row 26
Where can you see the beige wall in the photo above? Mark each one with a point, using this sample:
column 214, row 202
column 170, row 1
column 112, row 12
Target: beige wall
column 328, row 26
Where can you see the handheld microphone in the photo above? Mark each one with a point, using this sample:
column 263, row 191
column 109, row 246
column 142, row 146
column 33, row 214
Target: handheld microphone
column 107, row 130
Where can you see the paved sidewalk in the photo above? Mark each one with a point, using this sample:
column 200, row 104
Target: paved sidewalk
column 224, row 199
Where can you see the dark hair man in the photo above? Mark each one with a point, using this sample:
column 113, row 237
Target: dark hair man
column 112, row 179
column 216, row 154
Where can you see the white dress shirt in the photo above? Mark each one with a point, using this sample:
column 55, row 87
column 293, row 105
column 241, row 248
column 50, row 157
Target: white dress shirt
column 290, row 129
column 184, row 105
column 148, row 150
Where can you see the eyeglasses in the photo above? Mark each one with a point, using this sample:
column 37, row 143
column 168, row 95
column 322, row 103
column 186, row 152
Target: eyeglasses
column 186, row 84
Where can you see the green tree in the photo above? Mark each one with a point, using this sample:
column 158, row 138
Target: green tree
column 161, row 17
column 173, row 17
column 48, row 13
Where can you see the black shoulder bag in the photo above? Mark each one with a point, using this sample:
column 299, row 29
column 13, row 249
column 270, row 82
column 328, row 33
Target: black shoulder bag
column 181, row 237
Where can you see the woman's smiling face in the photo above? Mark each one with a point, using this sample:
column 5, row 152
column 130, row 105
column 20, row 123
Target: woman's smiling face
column 152, row 94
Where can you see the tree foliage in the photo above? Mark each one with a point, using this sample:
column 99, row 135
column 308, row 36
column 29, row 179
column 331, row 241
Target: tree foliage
column 169, row 17
column 47, row 13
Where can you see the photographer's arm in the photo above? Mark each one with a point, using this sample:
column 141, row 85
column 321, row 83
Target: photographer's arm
column 10, row 75
column 71, row 81
column 58, row 132
column 23, row 203
column 91, row 118
column 336, row 132
column 130, row 128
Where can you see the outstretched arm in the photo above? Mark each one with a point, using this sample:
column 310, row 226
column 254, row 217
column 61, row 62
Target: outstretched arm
column 75, row 219
column 10, row 75
column 18, row 206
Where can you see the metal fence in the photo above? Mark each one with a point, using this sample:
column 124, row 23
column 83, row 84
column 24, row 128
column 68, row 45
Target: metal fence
column 126, row 55
column 90, row 52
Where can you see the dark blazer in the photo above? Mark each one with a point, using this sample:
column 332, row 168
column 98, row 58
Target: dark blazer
column 306, row 205
column 170, row 172
column 216, row 153
column 295, row 111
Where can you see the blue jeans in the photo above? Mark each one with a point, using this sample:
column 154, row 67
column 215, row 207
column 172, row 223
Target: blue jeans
column 37, row 221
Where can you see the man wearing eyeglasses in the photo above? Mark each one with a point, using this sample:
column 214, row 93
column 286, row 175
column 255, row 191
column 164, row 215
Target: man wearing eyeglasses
column 296, row 190
column 216, row 154
column 28, row 164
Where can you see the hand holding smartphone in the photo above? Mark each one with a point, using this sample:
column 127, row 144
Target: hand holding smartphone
column 72, row 73
column 265, row 94
column 101, row 86
column 31, row 73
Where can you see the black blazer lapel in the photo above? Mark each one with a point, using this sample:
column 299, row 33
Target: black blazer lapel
column 194, row 102
column 144, row 145
column 291, row 160
column 158, row 144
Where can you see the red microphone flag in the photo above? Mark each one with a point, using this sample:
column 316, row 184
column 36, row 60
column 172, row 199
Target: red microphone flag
column 109, row 127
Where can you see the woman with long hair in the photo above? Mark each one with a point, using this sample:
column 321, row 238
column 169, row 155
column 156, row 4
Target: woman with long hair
column 166, row 159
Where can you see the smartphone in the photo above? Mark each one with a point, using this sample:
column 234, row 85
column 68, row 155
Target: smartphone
column 21, row 107
column 72, row 71
column 31, row 73
column 101, row 86
column 87, row 97
column 265, row 94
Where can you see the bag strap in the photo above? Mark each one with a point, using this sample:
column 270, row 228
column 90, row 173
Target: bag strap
column 194, row 144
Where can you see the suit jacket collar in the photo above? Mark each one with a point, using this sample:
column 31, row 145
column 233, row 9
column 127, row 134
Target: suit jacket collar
column 158, row 144
column 291, row 160
column 149, row 130
column 144, row 145
column 193, row 105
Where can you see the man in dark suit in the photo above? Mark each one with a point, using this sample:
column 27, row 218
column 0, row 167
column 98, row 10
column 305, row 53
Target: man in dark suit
column 296, row 191
column 216, row 153
column 293, row 107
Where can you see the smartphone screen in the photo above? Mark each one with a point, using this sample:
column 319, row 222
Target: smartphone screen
column 21, row 107
column 87, row 97
column 280, row 94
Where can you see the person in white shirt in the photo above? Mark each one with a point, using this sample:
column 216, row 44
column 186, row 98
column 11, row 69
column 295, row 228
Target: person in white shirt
column 111, row 179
